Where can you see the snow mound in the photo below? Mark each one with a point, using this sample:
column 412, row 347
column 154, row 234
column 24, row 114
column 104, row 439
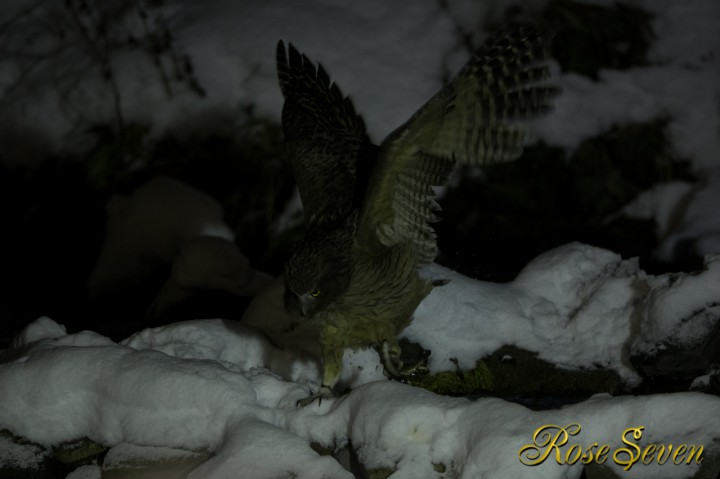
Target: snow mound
column 577, row 306
column 121, row 397
column 219, row 397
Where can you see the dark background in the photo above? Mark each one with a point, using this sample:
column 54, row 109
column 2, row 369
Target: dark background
column 53, row 210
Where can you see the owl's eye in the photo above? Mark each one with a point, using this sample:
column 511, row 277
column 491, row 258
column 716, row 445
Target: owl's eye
column 315, row 293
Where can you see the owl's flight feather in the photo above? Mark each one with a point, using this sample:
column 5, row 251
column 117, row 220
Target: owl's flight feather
column 327, row 138
column 472, row 120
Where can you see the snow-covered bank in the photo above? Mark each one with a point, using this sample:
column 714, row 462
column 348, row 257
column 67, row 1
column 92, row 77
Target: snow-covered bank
column 85, row 386
column 577, row 306
column 221, row 387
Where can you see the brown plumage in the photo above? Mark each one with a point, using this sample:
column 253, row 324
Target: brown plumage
column 368, row 208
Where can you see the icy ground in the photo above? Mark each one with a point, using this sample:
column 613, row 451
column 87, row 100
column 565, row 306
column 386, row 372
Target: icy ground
column 220, row 393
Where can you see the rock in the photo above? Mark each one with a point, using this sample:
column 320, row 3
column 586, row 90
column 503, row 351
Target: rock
column 148, row 228
column 129, row 461
column 679, row 331
column 22, row 459
column 77, row 451
column 207, row 264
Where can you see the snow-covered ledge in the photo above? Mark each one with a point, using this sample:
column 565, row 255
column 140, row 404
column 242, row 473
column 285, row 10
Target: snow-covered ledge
column 577, row 306
column 218, row 422
column 215, row 397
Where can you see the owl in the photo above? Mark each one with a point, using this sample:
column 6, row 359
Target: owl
column 368, row 208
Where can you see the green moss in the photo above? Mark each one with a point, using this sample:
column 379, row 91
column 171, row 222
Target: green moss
column 520, row 373
column 380, row 473
column 458, row 383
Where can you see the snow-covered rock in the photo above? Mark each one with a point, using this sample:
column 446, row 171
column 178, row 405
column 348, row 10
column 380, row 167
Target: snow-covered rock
column 124, row 397
column 577, row 306
column 221, row 386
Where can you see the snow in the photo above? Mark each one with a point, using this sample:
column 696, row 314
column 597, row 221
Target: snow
column 175, row 392
column 577, row 306
column 232, row 48
column 661, row 204
column 691, row 298
column 685, row 214
column 85, row 472
column 235, row 345
column 181, row 390
column 26, row 456
column 148, row 406
column 704, row 380
column 699, row 223
column 677, row 84
column 42, row 328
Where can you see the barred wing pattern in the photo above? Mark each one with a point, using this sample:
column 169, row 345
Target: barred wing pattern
column 325, row 135
column 473, row 119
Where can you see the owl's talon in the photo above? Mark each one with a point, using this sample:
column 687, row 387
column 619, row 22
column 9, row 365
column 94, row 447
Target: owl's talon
column 395, row 368
column 323, row 393
column 390, row 359
column 419, row 367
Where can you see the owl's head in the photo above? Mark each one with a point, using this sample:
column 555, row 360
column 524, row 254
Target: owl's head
column 315, row 276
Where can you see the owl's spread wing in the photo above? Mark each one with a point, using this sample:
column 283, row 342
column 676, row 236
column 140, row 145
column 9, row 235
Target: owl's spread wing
column 470, row 120
column 325, row 135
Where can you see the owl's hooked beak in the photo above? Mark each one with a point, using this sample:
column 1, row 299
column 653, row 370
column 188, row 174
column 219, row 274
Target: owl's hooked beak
column 299, row 305
column 307, row 305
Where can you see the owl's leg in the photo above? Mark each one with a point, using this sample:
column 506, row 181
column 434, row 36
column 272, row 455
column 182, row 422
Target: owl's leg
column 332, row 367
